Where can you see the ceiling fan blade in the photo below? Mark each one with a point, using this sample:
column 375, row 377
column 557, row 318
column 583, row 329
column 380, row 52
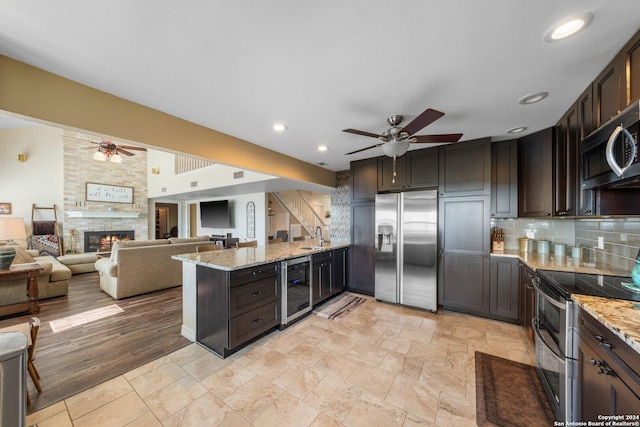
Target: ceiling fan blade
column 129, row 147
column 433, row 139
column 363, row 149
column 125, row 152
column 362, row 132
column 427, row 117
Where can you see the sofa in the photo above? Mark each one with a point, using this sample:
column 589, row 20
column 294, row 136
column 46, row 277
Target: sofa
column 137, row 267
column 53, row 280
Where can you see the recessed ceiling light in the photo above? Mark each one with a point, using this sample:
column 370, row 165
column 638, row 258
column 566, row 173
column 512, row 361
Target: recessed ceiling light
column 517, row 129
column 322, row 148
column 279, row 127
column 532, row 97
column 568, row 27
column 322, row 164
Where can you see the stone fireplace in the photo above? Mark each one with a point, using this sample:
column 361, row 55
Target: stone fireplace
column 102, row 241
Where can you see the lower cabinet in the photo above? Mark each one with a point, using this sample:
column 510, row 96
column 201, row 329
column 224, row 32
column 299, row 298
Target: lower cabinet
column 362, row 250
column 504, row 289
column 321, row 273
column 527, row 300
column 234, row 307
column 607, row 373
column 329, row 274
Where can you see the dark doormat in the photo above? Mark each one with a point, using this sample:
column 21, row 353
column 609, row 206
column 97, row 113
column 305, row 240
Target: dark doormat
column 339, row 307
column 509, row 394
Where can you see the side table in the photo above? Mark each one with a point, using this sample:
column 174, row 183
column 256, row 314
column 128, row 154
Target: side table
column 32, row 305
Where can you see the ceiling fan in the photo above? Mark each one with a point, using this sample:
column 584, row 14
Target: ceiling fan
column 107, row 150
column 396, row 139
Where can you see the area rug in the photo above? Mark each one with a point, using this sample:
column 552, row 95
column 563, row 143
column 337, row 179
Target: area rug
column 339, row 307
column 69, row 322
column 509, row 394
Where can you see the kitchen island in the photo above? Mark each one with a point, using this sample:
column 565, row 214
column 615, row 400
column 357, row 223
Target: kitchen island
column 213, row 274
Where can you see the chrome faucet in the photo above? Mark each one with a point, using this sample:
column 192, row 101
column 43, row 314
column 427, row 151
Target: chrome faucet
column 319, row 236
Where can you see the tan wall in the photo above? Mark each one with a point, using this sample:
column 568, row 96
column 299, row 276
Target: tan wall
column 41, row 95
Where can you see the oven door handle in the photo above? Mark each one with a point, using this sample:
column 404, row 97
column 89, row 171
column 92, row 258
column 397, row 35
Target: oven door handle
column 536, row 329
column 551, row 301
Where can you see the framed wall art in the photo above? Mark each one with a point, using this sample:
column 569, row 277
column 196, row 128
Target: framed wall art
column 108, row 193
column 5, row 208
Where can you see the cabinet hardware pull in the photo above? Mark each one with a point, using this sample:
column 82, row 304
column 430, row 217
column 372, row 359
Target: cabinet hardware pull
column 255, row 294
column 604, row 371
column 595, row 362
column 258, row 320
column 599, row 337
column 606, row 345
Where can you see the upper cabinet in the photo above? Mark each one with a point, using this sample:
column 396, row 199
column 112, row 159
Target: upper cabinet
column 566, row 164
column 535, row 174
column 465, row 168
column 364, row 180
column 504, row 179
column 631, row 60
column 415, row 170
column 585, row 202
column 607, row 91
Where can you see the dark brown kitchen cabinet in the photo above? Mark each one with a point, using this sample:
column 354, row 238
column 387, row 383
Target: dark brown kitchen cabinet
column 535, row 174
column 322, row 277
column 608, row 90
column 504, row 179
column 586, row 125
column 364, row 180
column 504, row 299
column 608, row 381
column 234, row 307
column 565, row 164
column 340, row 263
column 465, row 169
column 527, row 300
column 362, row 250
column 631, row 53
column 415, row 170
column 464, row 264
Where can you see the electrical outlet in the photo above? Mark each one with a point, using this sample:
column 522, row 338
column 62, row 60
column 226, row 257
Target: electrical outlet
column 600, row 242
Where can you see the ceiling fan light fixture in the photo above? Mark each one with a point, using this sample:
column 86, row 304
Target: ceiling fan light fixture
column 99, row 156
column 568, row 27
column 533, row 98
column 116, row 158
column 395, row 149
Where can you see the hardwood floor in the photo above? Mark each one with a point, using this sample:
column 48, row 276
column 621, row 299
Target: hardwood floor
column 79, row 358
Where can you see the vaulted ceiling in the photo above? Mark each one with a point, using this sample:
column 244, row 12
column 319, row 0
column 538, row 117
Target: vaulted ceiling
column 320, row 67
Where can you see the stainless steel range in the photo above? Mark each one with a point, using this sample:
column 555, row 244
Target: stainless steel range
column 555, row 330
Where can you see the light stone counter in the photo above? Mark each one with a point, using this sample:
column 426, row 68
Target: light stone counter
column 619, row 316
column 234, row 259
column 539, row 261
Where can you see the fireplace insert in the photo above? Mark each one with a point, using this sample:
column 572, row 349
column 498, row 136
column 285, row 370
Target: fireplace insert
column 102, row 241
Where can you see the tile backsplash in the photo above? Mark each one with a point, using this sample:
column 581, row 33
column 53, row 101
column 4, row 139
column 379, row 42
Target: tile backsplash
column 620, row 236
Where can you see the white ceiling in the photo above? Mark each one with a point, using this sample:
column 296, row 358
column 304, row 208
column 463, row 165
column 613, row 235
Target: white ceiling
column 323, row 66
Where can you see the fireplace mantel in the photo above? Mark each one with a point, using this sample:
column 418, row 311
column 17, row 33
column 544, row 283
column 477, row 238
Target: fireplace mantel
column 103, row 214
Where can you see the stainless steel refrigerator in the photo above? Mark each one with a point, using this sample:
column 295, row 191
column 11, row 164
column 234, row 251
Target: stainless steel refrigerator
column 406, row 248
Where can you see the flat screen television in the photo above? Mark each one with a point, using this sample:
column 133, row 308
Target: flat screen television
column 215, row 214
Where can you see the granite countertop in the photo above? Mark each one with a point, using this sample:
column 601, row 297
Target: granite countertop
column 619, row 316
column 539, row 261
column 235, row 259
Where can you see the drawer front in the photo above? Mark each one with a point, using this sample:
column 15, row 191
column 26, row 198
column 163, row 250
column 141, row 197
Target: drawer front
column 249, row 325
column 252, row 295
column 246, row 275
column 321, row 257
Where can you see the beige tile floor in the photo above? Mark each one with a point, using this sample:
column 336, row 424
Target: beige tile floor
column 381, row 365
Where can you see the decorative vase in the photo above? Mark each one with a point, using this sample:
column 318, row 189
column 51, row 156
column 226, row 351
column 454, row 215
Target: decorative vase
column 6, row 258
column 635, row 273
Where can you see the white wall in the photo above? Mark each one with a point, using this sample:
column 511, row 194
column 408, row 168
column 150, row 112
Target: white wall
column 238, row 206
column 40, row 179
column 208, row 177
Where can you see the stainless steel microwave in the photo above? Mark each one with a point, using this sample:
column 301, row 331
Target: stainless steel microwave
column 609, row 155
